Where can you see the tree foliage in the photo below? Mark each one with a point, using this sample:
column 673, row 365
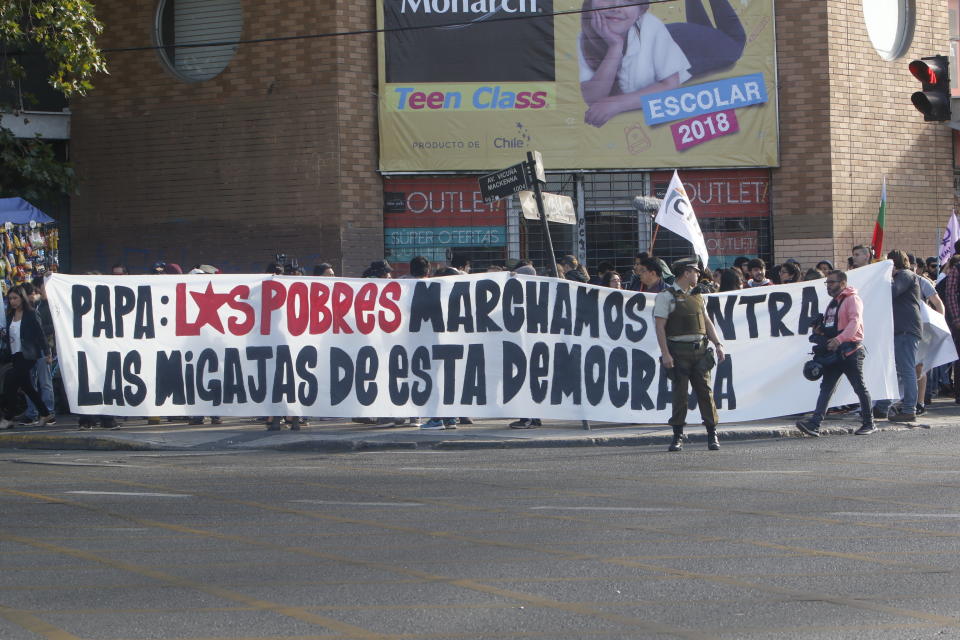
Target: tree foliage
column 30, row 169
column 64, row 32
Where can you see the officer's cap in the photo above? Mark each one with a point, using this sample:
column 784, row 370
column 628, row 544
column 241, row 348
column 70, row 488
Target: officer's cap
column 682, row 264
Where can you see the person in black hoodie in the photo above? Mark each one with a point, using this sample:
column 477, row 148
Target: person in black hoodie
column 27, row 345
column 570, row 269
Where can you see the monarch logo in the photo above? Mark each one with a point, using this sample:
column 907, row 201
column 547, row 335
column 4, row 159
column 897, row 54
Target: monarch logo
column 485, row 8
column 454, row 43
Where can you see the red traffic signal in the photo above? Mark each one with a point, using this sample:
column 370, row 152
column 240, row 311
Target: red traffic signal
column 925, row 72
column 933, row 101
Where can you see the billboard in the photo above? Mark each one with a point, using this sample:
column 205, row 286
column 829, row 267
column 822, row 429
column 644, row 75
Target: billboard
column 593, row 84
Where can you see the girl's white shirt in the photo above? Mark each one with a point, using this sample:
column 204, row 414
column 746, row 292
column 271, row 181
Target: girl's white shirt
column 16, row 346
column 651, row 56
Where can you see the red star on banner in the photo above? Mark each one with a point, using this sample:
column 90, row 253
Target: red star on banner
column 209, row 303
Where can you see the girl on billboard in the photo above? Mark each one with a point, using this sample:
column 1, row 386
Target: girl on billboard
column 627, row 52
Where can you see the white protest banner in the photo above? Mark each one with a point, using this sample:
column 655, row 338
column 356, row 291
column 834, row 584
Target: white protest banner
column 486, row 346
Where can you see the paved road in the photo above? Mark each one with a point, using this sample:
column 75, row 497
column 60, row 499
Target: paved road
column 840, row 537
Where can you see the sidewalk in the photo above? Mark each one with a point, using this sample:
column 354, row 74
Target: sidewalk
column 341, row 435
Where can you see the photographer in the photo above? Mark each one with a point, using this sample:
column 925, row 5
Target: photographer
column 840, row 352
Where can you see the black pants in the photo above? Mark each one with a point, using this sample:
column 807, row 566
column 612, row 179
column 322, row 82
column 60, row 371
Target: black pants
column 18, row 378
column 852, row 367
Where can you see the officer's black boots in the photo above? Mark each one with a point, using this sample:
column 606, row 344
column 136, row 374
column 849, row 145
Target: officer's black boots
column 712, row 443
column 677, row 443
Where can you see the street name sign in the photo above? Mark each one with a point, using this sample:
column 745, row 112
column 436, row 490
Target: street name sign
column 556, row 207
column 505, row 182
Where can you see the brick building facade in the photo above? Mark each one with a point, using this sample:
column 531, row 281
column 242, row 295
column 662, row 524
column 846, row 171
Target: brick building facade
column 845, row 122
column 278, row 153
column 275, row 154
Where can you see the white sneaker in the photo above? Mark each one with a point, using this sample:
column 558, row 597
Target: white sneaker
column 7, row 424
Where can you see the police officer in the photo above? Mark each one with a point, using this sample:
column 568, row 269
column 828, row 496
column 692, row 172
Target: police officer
column 684, row 332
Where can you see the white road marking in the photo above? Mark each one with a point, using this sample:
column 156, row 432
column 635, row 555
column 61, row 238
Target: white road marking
column 861, row 514
column 548, row 507
column 777, row 472
column 58, row 463
column 362, row 504
column 134, row 494
column 461, row 469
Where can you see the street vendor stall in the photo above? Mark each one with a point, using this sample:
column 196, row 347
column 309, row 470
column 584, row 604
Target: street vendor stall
column 29, row 242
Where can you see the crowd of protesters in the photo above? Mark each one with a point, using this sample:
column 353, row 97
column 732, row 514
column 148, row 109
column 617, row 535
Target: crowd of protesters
column 915, row 282
column 29, row 347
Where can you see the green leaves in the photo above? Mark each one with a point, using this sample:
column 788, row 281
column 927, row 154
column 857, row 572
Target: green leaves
column 30, row 169
column 64, row 32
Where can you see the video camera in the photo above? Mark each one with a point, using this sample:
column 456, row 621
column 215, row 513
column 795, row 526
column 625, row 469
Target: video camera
column 822, row 356
column 283, row 264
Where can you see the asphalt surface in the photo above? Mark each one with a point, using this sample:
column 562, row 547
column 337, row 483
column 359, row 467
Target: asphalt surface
column 836, row 537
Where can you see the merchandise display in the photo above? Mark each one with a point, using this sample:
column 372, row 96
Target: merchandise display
column 29, row 243
column 29, row 250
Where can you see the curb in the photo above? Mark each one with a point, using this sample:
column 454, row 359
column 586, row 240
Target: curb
column 74, row 443
column 101, row 443
column 336, row 446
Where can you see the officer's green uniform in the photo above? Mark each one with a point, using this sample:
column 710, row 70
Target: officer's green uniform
column 686, row 332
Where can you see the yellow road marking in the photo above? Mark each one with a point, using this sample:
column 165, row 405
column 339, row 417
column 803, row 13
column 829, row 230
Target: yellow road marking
column 161, row 576
column 237, row 597
column 34, row 624
column 579, row 556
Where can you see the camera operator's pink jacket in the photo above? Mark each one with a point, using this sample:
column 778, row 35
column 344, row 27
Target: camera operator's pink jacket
column 850, row 316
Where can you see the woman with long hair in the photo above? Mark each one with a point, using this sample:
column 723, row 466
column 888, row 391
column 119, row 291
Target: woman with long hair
column 789, row 273
column 627, row 52
column 730, row 280
column 27, row 345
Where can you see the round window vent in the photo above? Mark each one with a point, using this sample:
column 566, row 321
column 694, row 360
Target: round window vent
column 889, row 25
column 197, row 37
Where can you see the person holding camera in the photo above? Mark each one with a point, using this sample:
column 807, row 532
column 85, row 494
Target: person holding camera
column 683, row 331
column 840, row 353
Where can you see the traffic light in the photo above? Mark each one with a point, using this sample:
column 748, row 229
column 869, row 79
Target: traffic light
column 933, row 101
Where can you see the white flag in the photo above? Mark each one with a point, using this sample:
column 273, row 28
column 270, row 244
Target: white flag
column 676, row 214
column 950, row 235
